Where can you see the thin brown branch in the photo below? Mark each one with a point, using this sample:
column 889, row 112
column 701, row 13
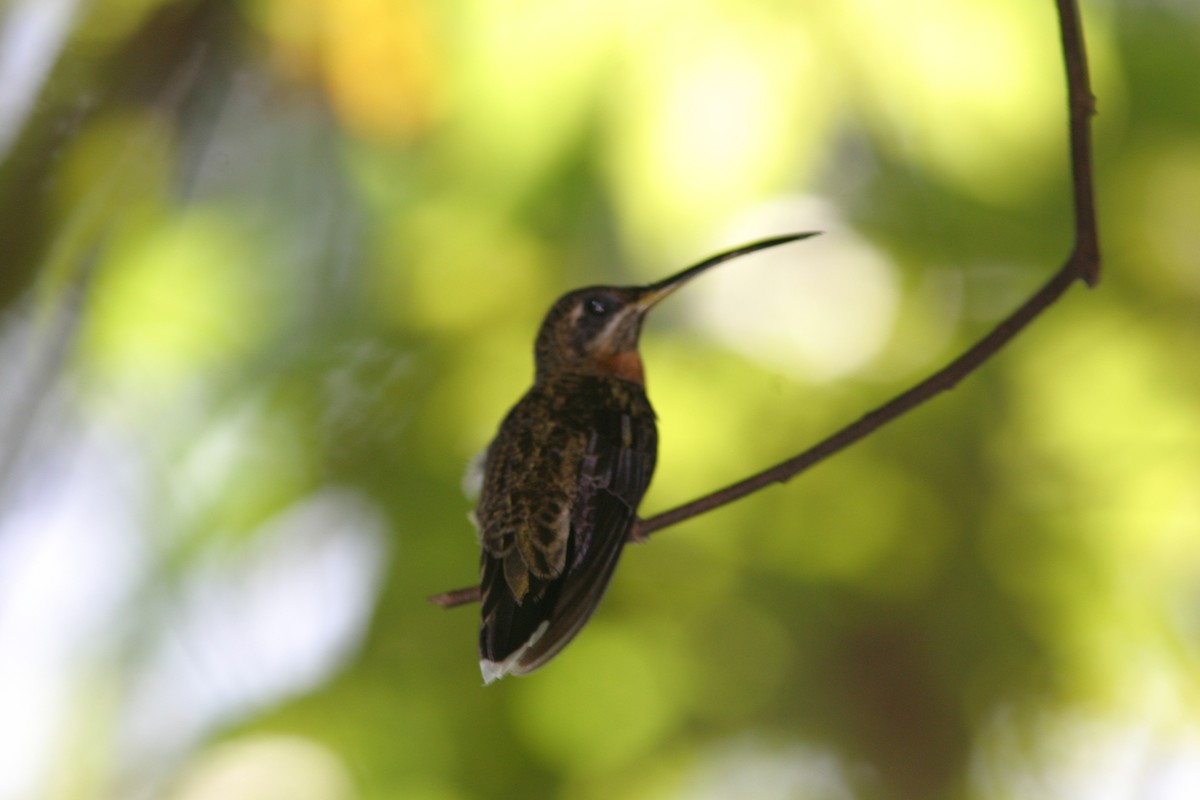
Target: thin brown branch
column 1082, row 104
column 457, row 597
column 1082, row 264
column 941, row 381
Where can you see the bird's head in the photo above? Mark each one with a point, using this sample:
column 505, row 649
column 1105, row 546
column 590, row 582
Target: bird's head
column 594, row 331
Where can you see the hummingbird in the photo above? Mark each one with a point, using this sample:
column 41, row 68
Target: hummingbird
column 564, row 475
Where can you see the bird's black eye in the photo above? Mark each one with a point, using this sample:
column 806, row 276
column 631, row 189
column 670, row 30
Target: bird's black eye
column 598, row 306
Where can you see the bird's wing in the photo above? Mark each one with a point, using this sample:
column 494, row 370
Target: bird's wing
column 612, row 458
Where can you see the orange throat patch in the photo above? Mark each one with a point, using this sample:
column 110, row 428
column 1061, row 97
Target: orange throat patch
column 627, row 366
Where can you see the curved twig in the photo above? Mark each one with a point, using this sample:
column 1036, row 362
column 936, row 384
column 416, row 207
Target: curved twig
column 1082, row 264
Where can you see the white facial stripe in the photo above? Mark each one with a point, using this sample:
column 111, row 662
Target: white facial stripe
column 608, row 336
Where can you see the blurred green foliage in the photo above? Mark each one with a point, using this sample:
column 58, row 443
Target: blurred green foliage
column 272, row 274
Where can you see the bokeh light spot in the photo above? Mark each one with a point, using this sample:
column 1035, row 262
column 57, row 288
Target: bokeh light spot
column 612, row 681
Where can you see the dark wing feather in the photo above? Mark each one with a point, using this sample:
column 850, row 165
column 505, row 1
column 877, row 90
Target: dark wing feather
column 525, row 465
column 612, row 474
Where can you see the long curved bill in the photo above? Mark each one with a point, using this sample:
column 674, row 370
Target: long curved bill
column 655, row 292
